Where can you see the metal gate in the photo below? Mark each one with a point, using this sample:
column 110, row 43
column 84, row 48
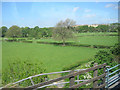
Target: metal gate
column 112, row 75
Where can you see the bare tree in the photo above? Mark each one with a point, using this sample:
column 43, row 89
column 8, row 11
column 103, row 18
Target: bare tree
column 63, row 30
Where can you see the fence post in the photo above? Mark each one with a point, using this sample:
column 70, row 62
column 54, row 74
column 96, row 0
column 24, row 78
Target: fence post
column 104, row 78
column 107, row 76
column 95, row 72
column 72, row 79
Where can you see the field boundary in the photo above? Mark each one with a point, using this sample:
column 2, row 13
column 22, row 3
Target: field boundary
column 72, row 75
column 60, row 44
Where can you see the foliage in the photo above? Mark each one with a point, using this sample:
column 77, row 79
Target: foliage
column 38, row 33
column 27, row 41
column 19, row 70
column 14, row 31
column 25, row 31
column 3, row 29
column 104, row 57
column 63, row 30
column 84, row 28
column 101, row 46
column 102, row 28
column 107, row 57
column 84, row 76
column 115, row 50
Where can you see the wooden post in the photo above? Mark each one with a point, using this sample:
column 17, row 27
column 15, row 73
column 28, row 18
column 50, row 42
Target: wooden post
column 72, row 79
column 104, row 78
column 95, row 72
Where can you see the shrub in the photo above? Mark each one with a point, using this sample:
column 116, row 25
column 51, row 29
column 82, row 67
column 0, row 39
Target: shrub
column 29, row 38
column 19, row 70
column 27, row 41
column 22, row 39
column 11, row 39
column 67, row 44
column 104, row 57
column 100, row 46
column 115, row 50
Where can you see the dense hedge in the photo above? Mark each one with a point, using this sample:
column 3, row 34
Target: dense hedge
column 60, row 43
column 22, row 39
column 101, row 46
column 11, row 40
column 75, row 44
column 15, row 39
column 27, row 41
column 67, row 44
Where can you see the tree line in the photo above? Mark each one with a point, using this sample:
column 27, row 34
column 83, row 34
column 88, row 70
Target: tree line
column 100, row 28
column 61, row 28
column 16, row 31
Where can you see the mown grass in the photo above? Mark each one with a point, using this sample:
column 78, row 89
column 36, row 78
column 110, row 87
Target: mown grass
column 90, row 40
column 98, row 40
column 53, row 57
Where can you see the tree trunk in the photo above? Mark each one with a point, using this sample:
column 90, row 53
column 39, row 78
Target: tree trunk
column 63, row 42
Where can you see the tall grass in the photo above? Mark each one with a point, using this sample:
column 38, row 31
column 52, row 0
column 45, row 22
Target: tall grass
column 18, row 70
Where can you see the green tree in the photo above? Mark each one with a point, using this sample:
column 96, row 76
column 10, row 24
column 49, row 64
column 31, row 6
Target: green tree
column 25, row 31
column 103, row 28
column 116, row 49
column 14, row 31
column 63, row 30
column 114, row 27
column 3, row 30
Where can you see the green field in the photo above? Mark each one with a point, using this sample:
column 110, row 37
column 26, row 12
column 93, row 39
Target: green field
column 53, row 57
column 90, row 40
column 98, row 40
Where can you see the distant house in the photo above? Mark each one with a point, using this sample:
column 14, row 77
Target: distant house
column 92, row 25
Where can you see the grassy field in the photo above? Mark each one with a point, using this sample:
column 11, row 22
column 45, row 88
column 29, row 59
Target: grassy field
column 53, row 57
column 98, row 40
column 96, row 33
column 90, row 40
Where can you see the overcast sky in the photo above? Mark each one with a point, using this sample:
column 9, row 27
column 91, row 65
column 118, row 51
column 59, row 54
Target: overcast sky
column 47, row 14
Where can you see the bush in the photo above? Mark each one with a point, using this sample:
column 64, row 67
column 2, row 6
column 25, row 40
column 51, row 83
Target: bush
column 115, row 50
column 101, row 46
column 67, row 44
column 27, row 41
column 102, row 57
column 22, row 39
column 11, row 39
column 29, row 38
column 82, row 45
column 42, row 42
column 19, row 70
